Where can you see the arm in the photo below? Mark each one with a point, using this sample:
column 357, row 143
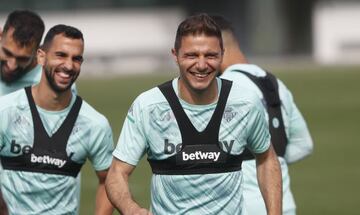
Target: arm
column 300, row 144
column 3, row 208
column 117, row 188
column 102, row 204
column 270, row 182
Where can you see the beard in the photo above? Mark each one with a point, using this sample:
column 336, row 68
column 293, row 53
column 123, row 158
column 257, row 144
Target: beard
column 50, row 76
column 15, row 75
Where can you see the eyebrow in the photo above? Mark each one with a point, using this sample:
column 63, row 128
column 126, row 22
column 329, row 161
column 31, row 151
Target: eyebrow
column 9, row 53
column 78, row 57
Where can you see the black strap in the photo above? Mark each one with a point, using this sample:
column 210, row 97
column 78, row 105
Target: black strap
column 207, row 140
column 53, row 147
column 270, row 90
column 62, row 135
column 189, row 134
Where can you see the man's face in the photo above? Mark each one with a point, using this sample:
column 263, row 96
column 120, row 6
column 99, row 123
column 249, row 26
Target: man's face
column 199, row 59
column 15, row 60
column 62, row 62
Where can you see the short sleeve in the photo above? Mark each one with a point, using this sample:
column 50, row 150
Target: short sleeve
column 132, row 141
column 102, row 147
column 258, row 140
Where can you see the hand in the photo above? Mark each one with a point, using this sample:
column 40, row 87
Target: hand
column 137, row 210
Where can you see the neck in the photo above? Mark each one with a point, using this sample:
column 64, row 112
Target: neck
column 48, row 99
column 232, row 56
column 198, row 97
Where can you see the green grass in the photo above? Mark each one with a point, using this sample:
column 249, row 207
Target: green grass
column 325, row 183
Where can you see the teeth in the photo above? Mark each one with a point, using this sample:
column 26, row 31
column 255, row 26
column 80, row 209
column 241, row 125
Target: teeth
column 63, row 75
column 201, row 75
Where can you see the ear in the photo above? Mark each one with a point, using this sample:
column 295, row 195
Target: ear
column 41, row 57
column 1, row 32
column 174, row 54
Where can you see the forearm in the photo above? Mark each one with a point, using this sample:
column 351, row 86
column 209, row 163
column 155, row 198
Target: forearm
column 117, row 189
column 270, row 183
column 3, row 208
column 103, row 205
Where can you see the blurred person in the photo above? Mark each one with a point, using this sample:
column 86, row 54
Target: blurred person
column 48, row 132
column 289, row 133
column 19, row 40
column 193, row 129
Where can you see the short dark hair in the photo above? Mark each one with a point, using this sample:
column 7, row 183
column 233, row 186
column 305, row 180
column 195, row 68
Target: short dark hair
column 196, row 25
column 66, row 30
column 223, row 23
column 28, row 27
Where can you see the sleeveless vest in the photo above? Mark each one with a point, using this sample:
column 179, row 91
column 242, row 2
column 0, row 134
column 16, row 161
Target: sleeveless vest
column 48, row 154
column 200, row 151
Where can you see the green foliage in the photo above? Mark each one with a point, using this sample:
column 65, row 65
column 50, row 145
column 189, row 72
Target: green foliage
column 325, row 183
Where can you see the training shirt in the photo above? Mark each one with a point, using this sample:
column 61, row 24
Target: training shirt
column 298, row 147
column 44, row 193
column 150, row 127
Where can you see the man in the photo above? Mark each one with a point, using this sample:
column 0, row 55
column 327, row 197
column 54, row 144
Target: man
column 289, row 132
column 47, row 133
column 194, row 136
column 19, row 41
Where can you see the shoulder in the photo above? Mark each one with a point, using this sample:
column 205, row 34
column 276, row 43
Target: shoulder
column 149, row 98
column 234, row 70
column 92, row 117
column 15, row 99
column 243, row 95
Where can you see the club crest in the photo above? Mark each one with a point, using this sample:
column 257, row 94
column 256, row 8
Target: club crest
column 229, row 114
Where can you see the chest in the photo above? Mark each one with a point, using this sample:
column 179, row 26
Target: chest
column 164, row 138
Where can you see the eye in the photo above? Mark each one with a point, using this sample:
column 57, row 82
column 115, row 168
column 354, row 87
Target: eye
column 22, row 60
column 78, row 59
column 60, row 54
column 190, row 56
column 212, row 56
column 7, row 53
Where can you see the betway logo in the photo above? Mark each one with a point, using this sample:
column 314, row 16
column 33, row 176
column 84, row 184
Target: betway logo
column 171, row 148
column 199, row 155
column 46, row 159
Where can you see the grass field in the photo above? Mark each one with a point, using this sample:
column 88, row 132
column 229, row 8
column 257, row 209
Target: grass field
column 325, row 183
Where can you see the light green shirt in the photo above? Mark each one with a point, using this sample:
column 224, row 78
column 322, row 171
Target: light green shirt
column 150, row 127
column 299, row 145
column 44, row 193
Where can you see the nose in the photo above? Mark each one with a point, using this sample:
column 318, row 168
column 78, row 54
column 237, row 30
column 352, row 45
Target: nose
column 11, row 63
column 68, row 65
column 201, row 64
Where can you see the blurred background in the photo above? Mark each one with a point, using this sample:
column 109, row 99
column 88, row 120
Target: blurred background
column 312, row 45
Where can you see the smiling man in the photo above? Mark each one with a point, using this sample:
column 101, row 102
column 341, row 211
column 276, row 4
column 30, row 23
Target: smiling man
column 47, row 133
column 194, row 129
